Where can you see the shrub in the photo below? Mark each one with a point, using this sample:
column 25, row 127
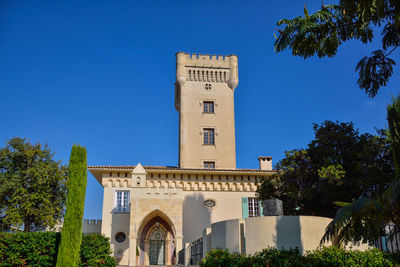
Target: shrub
column 333, row 256
column 95, row 251
column 330, row 256
column 222, row 258
column 40, row 249
column 394, row 258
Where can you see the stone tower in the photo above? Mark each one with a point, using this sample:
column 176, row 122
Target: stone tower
column 204, row 98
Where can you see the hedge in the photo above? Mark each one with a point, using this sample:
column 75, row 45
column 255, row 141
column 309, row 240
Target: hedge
column 40, row 249
column 328, row 256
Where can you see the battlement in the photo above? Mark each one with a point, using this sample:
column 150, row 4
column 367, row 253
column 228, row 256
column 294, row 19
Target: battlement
column 92, row 222
column 91, row 226
column 193, row 67
column 206, row 60
column 207, row 56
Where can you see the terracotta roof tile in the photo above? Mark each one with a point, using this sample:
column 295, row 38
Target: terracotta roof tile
column 172, row 168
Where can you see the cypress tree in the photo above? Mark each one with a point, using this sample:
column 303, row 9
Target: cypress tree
column 71, row 234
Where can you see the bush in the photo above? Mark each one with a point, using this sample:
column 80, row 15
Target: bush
column 394, row 258
column 333, row 256
column 330, row 256
column 40, row 249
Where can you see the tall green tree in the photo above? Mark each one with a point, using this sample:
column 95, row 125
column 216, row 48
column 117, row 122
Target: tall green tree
column 32, row 186
column 339, row 164
column 364, row 219
column 71, row 234
column 324, row 31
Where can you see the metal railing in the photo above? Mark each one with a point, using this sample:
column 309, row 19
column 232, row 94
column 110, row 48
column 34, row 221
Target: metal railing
column 196, row 251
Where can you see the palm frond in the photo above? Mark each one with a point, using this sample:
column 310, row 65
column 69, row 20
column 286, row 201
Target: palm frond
column 360, row 221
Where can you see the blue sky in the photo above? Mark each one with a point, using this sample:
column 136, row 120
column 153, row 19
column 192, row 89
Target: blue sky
column 101, row 74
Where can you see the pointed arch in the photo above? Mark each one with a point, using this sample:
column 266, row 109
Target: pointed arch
column 151, row 216
column 156, row 219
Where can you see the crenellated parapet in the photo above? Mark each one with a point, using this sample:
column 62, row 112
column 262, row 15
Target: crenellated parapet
column 91, row 226
column 207, row 68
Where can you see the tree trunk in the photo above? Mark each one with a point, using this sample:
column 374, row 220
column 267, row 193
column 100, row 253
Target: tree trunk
column 27, row 225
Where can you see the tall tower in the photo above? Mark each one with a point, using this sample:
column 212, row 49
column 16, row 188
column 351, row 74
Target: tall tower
column 204, row 98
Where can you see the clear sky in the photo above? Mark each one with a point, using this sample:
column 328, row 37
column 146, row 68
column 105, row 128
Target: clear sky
column 101, row 74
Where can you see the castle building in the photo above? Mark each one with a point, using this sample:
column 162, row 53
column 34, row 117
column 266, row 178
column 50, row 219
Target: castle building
column 150, row 213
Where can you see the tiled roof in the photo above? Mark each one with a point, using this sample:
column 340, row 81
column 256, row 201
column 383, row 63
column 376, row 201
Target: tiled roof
column 172, row 168
column 98, row 170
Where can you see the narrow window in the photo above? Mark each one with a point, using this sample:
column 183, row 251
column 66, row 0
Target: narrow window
column 209, row 164
column 254, row 209
column 208, row 107
column 121, row 201
column 208, row 136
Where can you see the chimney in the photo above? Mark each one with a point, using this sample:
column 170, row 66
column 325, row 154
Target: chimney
column 265, row 163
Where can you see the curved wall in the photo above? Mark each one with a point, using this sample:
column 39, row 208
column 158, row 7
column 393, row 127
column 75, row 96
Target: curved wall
column 284, row 232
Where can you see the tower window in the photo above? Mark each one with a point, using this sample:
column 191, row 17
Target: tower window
column 208, row 107
column 207, row 86
column 209, row 164
column 208, row 137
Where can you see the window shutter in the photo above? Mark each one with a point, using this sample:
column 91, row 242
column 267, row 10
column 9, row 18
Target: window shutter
column 245, row 207
column 261, row 208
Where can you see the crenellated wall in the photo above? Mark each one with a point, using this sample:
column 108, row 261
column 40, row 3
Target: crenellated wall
column 91, row 226
column 207, row 68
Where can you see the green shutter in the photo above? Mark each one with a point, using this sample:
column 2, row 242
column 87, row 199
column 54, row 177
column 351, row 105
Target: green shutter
column 261, row 208
column 245, row 207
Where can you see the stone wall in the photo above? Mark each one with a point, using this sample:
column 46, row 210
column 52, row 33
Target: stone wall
column 91, row 226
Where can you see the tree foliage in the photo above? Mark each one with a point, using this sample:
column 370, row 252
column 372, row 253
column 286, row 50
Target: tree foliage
column 32, row 186
column 324, row 31
column 339, row 164
column 71, row 236
column 364, row 219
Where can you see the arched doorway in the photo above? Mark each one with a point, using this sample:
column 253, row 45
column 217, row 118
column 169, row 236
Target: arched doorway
column 157, row 246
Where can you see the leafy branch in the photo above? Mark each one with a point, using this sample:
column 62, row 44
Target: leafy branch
column 324, row 31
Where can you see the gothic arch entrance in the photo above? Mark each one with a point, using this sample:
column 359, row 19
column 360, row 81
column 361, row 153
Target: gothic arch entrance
column 157, row 243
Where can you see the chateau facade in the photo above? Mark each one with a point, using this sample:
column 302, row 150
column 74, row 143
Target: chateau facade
column 151, row 212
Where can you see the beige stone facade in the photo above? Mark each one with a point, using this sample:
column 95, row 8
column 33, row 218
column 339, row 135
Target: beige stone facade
column 151, row 212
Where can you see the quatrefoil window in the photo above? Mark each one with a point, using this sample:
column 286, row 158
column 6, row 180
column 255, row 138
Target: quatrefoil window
column 209, row 203
column 207, row 86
